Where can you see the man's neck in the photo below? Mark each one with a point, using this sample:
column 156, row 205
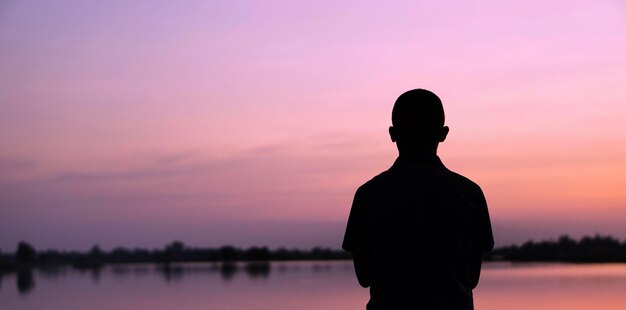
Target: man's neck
column 418, row 152
column 425, row 158
column 417, row 156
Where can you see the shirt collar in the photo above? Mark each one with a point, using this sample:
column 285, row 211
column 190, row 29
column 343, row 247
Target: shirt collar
column 421, row 160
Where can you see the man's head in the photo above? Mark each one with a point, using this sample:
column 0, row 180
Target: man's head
column 418, row 121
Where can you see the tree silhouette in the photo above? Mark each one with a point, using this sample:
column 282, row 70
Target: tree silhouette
column 25, row 253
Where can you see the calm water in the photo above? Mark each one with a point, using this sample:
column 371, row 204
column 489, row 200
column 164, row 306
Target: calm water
column 298, row 285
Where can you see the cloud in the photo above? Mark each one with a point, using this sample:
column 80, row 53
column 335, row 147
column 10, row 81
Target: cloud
column 287, row 181
column 11, row 164
column 15, row 163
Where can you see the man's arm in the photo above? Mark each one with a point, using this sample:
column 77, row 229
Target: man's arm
column 476, row 261
column 484, row 243
column 361, row 267
column 355, row 240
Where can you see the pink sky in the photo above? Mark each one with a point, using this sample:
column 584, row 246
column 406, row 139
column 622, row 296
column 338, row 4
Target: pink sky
column 137, row 123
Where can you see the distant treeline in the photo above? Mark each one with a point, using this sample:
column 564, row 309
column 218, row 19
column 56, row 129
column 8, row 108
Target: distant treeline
column 596, row 249
column 564, row 249
column 27, row 256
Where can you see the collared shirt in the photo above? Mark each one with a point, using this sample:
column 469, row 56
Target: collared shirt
column 419, row 224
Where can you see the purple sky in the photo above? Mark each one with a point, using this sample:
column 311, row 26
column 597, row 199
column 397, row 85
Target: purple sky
column 140, row 122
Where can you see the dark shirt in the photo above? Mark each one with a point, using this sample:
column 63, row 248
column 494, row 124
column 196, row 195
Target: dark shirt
column 419, row 225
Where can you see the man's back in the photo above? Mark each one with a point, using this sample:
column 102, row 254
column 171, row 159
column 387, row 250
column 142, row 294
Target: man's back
column 417, row 232
column 419, row 224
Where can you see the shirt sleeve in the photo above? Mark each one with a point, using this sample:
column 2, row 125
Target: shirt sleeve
column 485, row 233
column 354, row 237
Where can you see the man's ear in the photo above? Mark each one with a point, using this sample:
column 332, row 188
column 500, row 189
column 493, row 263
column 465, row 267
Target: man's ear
column 392, row 134
column 444, row 133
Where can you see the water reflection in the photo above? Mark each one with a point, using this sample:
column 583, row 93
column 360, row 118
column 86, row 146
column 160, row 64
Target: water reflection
column 202, row 285
column 318, row 267
column 25, row 278
column 287, row 285
column 95, row 274
column 176, row 272
column 94, row 271
column 141, row 271
column 25, row 281
column 258, row 269
column 170, row 272
column 228, row 270
column 120, row 271
column 51, row 272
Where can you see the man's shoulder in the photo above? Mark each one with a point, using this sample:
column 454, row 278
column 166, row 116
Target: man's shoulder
column 373, row 183
column 388, row 177
column 461, row 179
column 464, row 184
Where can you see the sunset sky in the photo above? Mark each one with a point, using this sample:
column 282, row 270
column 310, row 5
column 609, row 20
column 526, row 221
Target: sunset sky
column 136, row 123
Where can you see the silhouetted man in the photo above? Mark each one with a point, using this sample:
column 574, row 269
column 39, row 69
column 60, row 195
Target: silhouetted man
column 417, row 232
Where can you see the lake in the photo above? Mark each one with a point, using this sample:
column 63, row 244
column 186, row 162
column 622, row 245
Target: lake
column 297, row 285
